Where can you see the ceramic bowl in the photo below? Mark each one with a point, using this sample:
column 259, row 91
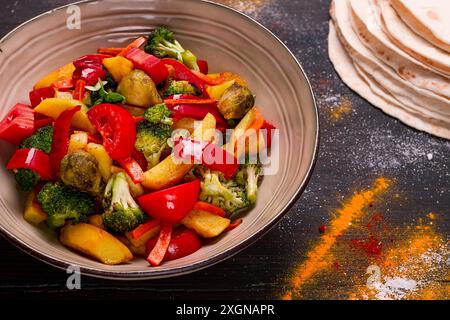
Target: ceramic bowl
column 226, row 38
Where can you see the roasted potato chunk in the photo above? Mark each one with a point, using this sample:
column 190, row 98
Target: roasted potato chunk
column 96, row 243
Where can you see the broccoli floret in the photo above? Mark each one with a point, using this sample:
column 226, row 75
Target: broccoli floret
column 226, row 194
column 63, row 203
column 180, row 87
column 151, row 140
column 121, row 211
column 248, row 177
column 27, row 179
column 42, row 140
column 159, row 114
column 162, row 43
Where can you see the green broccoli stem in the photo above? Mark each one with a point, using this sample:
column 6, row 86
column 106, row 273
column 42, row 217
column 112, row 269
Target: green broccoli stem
column 121, row 192
column 252, row 184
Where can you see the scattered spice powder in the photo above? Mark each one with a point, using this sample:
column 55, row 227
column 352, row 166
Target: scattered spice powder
column 247, row 7
column 411, row 270
column 317, row 258
column 372, row 244
column 322, row 229
column 340, row 108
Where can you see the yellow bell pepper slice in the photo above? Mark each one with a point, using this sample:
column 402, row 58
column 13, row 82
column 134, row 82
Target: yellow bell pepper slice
column 62, row 73
column 118, row 66
column 53, row 107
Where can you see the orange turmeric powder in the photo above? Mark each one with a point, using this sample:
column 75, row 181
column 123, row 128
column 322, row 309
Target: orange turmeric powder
column 351, row 210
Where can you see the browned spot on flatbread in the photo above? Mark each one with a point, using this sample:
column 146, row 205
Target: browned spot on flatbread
column 433, row 15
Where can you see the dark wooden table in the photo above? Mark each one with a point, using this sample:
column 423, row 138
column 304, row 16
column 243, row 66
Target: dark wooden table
column 359, row 144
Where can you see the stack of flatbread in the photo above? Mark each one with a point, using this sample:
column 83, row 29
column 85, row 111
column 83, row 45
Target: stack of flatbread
column 396, row 54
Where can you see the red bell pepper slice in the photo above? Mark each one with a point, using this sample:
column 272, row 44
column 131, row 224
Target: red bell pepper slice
column 182, row 243
column 61, row 137
column 117, row 127
column 236, row 223
column 133, row 169
column 80, row 90
column 135, row 44
column 184, row 73
column 39, row 123
column 64, row 85
column 174, row 102
column 268, row 127
column 89, row 61
column 95, row 138
column 173, row 204
column 198, row 112
column 89, row 68
column 37, row 95
column 157, row 254
column 140, row 158
column 33, row 159
column 203, row 66
column 142, row 229
column 208, row 207
column 110, row 51
column 151, row 65
column 208, row 80
column 18, row 124
column 209, row 154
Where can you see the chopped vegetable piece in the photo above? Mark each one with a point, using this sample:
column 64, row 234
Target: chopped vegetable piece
column 236, row 223
column 182, row 243
column 53, row 108
column 80, row 170
column 135, row 44
column 110, row 51
column 95, row 242
column 121, row 211
column 80, row 90
column 210, row 155
column 157, row 254
column 119, row 67
column 33, row 211
column 205, row 206
column 60, row 144
column 61, row 74
column 139, row 89
column 206, row 224
column 173, row 204
column 133, row 169
column 181, row 72
column 162, row 43
column 18, row 124
column 37, row 95
column 117, row 127
column 203, row 66
column 63, row 203
column 151, row 65
column 32, row 159
column 64, row 84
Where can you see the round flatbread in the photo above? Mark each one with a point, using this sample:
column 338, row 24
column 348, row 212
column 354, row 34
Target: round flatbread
column 401, row 35
column 367, row 25
column 347, row 71
column 417, row 100
column 428, row 18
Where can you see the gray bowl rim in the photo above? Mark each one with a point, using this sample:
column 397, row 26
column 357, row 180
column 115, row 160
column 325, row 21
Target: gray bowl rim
column 155, row 274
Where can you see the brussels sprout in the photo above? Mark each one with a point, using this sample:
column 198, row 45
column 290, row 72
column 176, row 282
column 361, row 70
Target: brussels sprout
column 236, row 101
column 80, row 170
column 139, row 89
